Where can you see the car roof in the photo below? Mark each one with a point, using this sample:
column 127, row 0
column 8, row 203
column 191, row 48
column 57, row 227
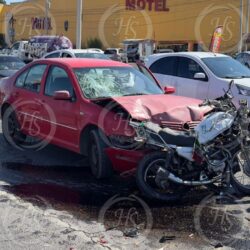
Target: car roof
column 84, row 62
column 73, row 51
column 247, row 52
column 191, row 54
column 10, row 56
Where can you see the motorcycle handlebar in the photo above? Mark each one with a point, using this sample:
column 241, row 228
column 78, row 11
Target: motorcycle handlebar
column 209, row 102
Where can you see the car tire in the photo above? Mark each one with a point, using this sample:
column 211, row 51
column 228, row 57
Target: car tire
column 11, row 128
column 101, row 166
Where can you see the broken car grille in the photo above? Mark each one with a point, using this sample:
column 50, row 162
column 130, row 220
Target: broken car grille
column 180, row 126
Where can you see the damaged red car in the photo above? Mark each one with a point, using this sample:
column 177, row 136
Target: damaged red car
column 85, row 105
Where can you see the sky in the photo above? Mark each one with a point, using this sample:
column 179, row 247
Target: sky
column 13, row 1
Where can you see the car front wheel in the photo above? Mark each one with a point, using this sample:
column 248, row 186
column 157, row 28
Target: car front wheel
column 100, row 164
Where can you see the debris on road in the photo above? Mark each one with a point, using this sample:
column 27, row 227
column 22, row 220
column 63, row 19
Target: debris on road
column 131, row 233
column 167, row 238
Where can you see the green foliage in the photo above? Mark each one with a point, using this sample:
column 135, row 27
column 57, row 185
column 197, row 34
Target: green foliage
column 2, row 41
column 94, row 43
column 2, row 2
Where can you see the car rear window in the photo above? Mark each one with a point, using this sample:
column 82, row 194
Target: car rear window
column 165, row 66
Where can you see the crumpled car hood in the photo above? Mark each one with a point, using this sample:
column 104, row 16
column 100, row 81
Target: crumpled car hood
column 158, row 108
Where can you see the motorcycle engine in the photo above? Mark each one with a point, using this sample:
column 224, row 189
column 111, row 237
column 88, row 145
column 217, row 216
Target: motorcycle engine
column 215, row 158
column 216, row 166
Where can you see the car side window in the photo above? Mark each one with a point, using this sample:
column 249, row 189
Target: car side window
column 21, row 79
column 239, row 57
column 67, row 55
column 34, row 78
column 165, row 66
column 58, row 80
column 53, row 55
column 15, row 46
column 187, row 68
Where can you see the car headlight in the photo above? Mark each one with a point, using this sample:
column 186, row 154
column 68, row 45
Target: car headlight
column 243, row 91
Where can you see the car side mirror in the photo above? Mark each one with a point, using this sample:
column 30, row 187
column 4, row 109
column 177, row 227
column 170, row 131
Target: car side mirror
column 62, row 95
column 200, row 76
column 169, row 90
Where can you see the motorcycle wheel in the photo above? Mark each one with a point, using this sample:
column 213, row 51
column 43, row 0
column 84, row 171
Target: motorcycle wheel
column 146, row 179
column 240, row 174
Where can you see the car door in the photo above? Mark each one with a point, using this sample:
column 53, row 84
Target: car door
column 186, row 83
column 27, row 99
column 165, row 70
column 60, row 116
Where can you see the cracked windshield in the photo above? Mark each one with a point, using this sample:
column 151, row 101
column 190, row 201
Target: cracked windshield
column 115, row 82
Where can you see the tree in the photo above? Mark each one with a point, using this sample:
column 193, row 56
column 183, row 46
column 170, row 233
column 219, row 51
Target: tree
column 94, row 43
column 2, row 2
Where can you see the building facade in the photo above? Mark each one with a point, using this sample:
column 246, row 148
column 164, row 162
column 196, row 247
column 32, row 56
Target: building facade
column 168, row 22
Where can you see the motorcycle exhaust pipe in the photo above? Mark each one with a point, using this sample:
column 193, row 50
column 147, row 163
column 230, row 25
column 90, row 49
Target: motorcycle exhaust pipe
column 178, row 180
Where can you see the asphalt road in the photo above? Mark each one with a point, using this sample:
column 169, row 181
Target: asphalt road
column 49, row 200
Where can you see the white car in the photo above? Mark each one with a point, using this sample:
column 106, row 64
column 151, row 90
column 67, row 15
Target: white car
column 244, row 58
column 116, row 54
column 200, row 74
column 18, row 50
column 76, row 53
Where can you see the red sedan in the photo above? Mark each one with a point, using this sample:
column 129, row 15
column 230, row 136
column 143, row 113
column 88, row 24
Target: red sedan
column 84, row 105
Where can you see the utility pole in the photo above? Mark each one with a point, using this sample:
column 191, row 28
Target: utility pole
column 241, row 26
column 79, row 25
column 247, row 22
column 47, row 7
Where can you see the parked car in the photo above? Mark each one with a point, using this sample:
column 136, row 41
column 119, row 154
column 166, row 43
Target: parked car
column 164, row 51
column 244, row 58
column 200, row 74
column 76, row 53
column 86, row 105
column 95, row 50
column 18, row 50
column 9, row 65
column 116, row 54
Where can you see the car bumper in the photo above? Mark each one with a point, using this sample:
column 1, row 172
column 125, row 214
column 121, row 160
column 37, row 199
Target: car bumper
column 125, row 160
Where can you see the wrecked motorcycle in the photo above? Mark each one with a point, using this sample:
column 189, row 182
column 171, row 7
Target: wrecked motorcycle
column 215, row 154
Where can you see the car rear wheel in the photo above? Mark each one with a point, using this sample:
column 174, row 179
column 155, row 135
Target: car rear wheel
column 100, row 164
column 11, row 128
